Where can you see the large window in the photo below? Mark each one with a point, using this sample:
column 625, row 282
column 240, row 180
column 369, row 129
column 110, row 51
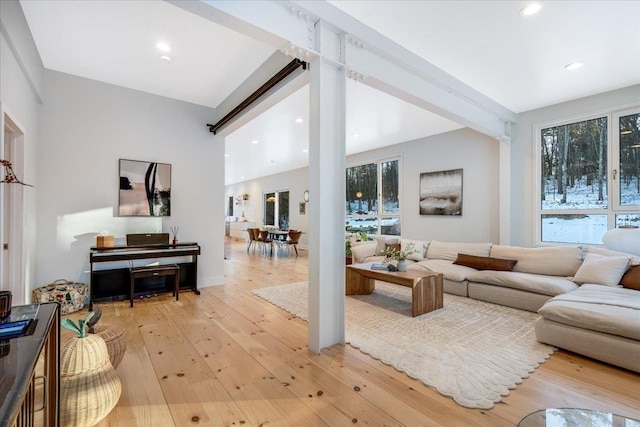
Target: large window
column 276, row 209
column 589, row 177
column 372, row 202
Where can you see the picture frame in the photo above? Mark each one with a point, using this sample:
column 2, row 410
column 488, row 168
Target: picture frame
column 145, row 188
column 441, row 193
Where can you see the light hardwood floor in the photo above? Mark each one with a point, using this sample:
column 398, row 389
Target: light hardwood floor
column 229, row 358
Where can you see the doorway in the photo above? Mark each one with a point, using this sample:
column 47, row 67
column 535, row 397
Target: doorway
column 11, row 214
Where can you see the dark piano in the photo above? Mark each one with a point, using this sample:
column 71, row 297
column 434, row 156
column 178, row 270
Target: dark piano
column 113, row 283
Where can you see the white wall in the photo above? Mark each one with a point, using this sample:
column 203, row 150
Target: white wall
column 20, row 82
column 476, row 154
column 523, row 198
column 87, row 127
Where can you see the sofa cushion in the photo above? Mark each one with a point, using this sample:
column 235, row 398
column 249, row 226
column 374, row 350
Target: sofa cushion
column 382, row 242
column 635, row 259
column 375, row 258
column 485, row 262
column 418, row 246
column 631, row 278
column 602, row 270
column 363, row 250
column 537, row 283
column 553, row 261
column 598, row 308
column 450, row 250
column 455, row 273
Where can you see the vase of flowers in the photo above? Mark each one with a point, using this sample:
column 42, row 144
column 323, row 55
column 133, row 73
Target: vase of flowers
column 400, row 255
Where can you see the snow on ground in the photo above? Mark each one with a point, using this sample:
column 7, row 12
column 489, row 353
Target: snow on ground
column 577, row 228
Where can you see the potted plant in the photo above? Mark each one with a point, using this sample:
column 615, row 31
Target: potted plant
column 353, row 238
column 347, row 252
column 400, row 255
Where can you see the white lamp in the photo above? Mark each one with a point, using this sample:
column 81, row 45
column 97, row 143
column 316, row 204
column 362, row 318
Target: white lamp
column 623, row 239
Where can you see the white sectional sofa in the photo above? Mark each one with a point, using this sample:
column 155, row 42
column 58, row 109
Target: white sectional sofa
column 576, row 290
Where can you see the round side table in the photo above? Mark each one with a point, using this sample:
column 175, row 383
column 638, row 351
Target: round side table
column 561, row 417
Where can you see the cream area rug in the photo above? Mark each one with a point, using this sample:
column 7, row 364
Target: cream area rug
column 472, row 351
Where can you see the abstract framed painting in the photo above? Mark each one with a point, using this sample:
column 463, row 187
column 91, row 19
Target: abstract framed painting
column 441, row 193
column 145, row 188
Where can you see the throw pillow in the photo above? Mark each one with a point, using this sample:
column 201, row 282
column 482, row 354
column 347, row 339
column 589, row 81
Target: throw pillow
column 631, row 278
column 601, row 270
column 381, row 244
column 485, row 262
column 395, row 246
column 418, row 247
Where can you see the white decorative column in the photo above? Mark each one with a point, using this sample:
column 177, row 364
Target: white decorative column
column 504, row 178
column 326, row 201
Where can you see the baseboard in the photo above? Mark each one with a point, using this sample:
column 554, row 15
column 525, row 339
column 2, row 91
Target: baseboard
column 206, row 282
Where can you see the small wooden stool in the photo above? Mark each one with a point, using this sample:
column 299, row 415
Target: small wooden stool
column 155, row 271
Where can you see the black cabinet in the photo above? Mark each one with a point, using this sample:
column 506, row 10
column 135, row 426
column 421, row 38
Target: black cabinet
column 29, row 389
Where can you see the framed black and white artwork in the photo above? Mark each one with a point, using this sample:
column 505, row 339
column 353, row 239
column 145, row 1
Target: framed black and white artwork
column 441, row 192
column 145, row 188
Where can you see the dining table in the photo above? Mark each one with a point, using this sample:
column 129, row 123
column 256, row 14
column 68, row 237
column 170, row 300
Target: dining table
column 276, row 236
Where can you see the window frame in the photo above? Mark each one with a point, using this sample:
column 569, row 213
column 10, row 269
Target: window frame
column 380, row 215
column 615, row 156
column 276, row 207
column 613, row 163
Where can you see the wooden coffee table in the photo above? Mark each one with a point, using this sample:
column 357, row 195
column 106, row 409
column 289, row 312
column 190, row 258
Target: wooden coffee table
column 426, row 286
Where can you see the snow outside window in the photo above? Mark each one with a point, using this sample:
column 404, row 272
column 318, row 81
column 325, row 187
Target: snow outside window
column 372, row 198
column 588, row 177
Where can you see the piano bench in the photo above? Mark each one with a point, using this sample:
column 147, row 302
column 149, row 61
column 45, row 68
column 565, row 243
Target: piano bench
column 155, row 271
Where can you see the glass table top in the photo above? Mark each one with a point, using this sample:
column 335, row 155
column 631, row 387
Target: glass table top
column 575, row 417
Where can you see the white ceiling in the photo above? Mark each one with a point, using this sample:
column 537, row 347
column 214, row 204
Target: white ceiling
column 374, row 120
column 517, row 61
column 115, row 42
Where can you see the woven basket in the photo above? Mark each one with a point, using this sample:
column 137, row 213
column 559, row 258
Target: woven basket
column 69, row 295
column 89, row 386
column 115, row 339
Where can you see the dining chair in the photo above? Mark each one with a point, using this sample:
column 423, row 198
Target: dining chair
column 265, row 239
column 253, row 238
column 294, row 238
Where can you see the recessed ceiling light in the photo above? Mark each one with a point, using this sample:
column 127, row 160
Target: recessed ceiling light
column 298, row 120
column 574, row 65
column 166, row 58
column 530, row 9
column 163, row 47
column 226, row 155
column 255, row 141
column 242, row 177
column 305, row 151
column 355, row 135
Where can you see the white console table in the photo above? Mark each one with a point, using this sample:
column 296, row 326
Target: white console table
column 238, row 230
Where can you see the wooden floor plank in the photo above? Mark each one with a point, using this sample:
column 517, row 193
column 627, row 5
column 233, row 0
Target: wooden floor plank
column 142, row 401
column 304, row 380
column 246, row 362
